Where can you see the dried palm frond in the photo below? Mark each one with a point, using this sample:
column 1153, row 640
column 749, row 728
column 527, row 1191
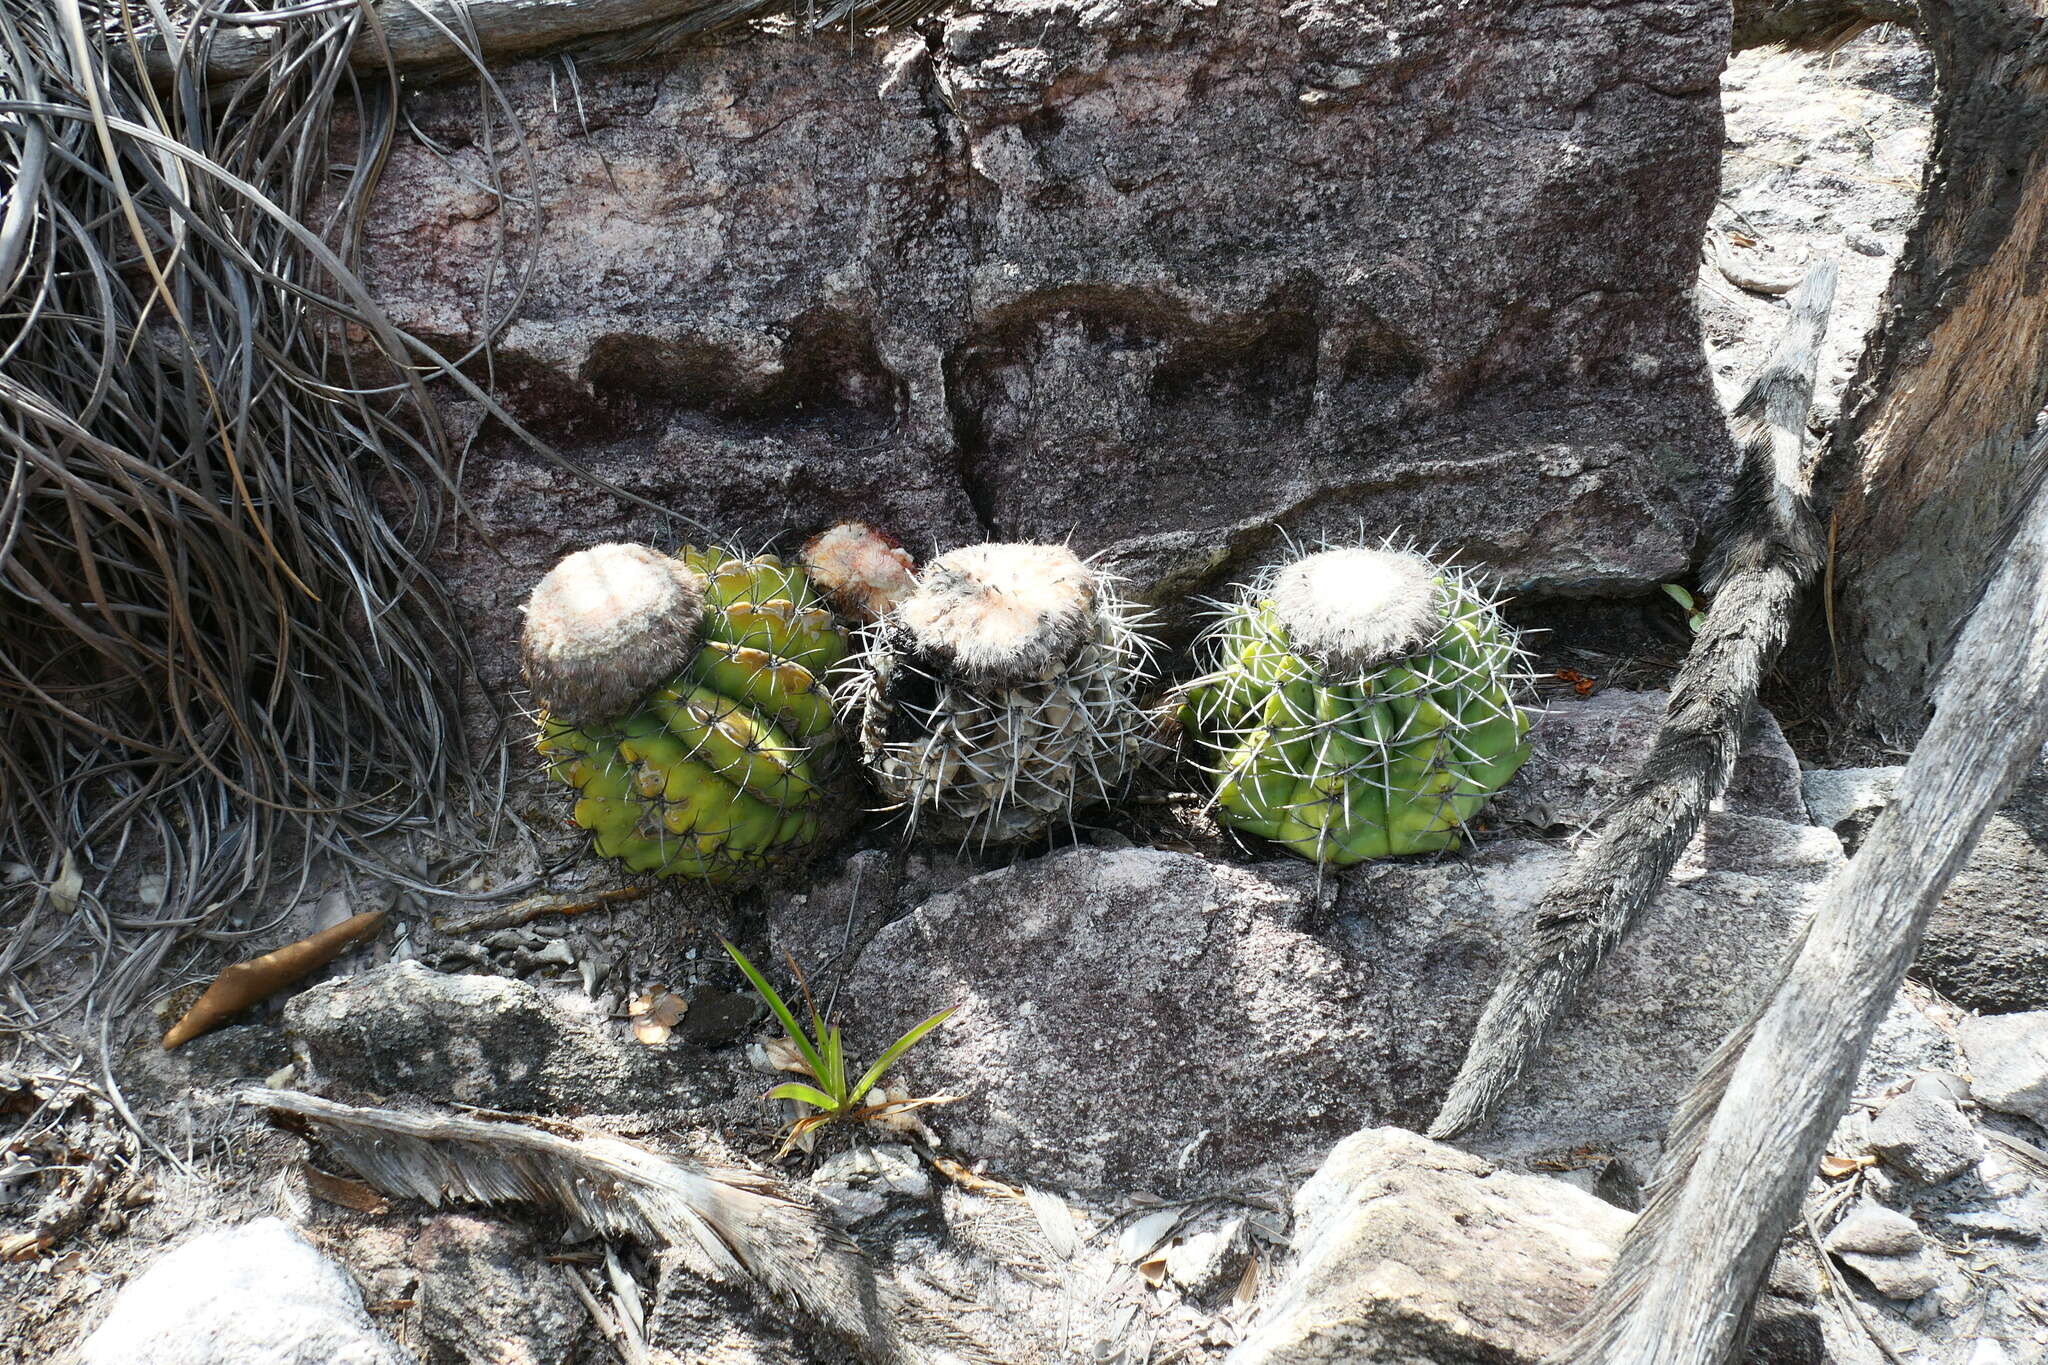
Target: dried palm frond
column 738, row 1225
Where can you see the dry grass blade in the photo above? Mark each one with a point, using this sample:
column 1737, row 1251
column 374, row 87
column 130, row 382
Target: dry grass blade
column 220, row 653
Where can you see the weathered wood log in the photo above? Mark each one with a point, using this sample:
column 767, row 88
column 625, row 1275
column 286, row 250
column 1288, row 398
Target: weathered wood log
column 444, row 35
column 1745, row 1144
column 1766, row 553
column 1934, row 457
column 1811, row 23
column 412, row 35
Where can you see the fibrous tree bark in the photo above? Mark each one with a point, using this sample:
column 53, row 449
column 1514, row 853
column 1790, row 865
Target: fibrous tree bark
column 1746, row 1141
column 1934, row 457
column 1765, row 555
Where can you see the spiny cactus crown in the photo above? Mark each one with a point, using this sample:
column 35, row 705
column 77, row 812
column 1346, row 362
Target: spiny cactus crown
column 1355, row 608
column 1358, row 703
column 1001, row 615
column 1001, row 696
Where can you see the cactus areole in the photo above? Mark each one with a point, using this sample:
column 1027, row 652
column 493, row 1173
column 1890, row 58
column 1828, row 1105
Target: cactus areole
column 1358, row 703
column 1000, row 696
column 681, row 698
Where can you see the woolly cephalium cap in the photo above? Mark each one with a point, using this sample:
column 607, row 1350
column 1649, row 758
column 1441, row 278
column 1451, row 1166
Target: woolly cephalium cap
column 863, row 571
column 1001, row 615
column 606, row 627
column 1354, row 609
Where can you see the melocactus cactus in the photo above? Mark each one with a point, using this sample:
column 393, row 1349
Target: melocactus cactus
column 1358, row 703
column 1000, row 695
column 682, row 700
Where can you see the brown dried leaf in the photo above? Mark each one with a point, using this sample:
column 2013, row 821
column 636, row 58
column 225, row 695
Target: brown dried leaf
column 1154, row 1271
column 350, row 1194
column 783, row 1055
column 263, row 977
column 245, row 983
column 1835, row 1167
column 655, row 1012
column 23, row 1246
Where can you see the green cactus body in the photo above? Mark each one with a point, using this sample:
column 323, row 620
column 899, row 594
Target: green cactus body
column 720, row 769
column 1383, row 743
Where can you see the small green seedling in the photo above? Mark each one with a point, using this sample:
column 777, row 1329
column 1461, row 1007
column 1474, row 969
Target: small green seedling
column 1694, row 616
column 824, row 1056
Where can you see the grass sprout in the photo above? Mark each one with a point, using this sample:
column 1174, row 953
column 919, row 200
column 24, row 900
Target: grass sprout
column 824, row 1057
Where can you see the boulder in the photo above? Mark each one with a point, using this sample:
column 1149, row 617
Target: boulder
column 1925, row 1137
column 1407, row 1252
column 1142, row 1018
column 257, row 1293
column 1108, row 998
column 1585, row 751
column 1038, row 273
column 488, row 1041
column 2008, row 1056
column 1987, row 943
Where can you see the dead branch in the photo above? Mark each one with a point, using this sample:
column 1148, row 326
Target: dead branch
column 533, row 907
column 1765, row 555
column 1743, row 1147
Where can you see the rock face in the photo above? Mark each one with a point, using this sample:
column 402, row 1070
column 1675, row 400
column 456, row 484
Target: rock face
column 2009, row 1058
column 482, row 1040
column 1055, row 271
column 1413, row 1253
column 1107, row 998
column 487, row 1297
column 1987, row 944
column 255, row 1294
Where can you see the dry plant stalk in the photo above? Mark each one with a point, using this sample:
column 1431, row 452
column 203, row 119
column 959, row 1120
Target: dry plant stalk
column 1766, row 555
column 533, row 907
column 246, row 983
column 1745, row 1142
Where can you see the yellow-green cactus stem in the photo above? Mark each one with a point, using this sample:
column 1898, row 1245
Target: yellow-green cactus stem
column 683, row 699
column 1357, row 703
column 1000, row 695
